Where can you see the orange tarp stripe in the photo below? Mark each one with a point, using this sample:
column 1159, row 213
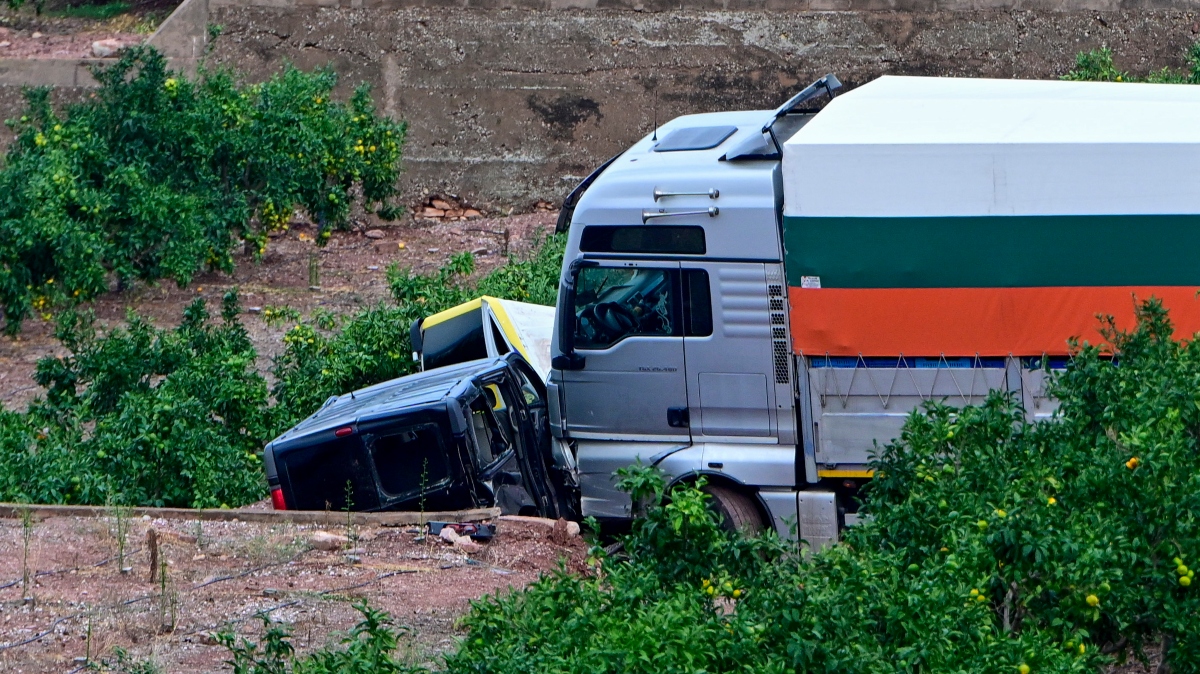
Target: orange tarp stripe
column 969, row 321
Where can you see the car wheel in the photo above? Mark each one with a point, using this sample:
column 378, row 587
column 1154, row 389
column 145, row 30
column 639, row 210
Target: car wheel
column 735, row 510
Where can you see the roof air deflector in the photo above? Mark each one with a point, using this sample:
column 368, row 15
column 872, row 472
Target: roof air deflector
column 828, row 85
column 695, row 138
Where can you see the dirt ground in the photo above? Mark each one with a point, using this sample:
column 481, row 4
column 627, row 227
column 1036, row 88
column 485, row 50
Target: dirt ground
column 66, row 32
column 221, row 575
column 351, row 273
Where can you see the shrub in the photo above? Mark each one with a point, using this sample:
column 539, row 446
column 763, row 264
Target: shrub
column 157, row 176
column 993, row 545
column 142, row 416
column 1097, row 66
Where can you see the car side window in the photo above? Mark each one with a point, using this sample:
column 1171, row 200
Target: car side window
column 612, row 303
column 490, row 441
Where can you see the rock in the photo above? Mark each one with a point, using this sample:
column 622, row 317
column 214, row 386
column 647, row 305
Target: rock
column 434, row 250
column 103, row 48
column 441, row 204
column 37, row 35
column 254, row 310
column 373, row 267
column 558, row 532
column 4, row 44
column 481, row 251
column 428, row 212
column 323, row 540
column 467, row 545
column 460, row 542
column 374, row 234
column 472, row 213
column 208, row 639
column 572, row 528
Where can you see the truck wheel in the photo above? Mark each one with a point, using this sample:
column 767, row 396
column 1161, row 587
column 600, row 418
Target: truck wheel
column 735, row 510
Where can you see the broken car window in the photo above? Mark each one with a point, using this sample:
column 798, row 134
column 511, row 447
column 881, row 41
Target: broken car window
column 410, row 460
column 490, row 442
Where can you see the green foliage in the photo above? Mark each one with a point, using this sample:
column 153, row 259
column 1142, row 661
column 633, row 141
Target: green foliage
column 158, row 176
column 373, row 345
column 124, row 663
column 94, row 11
column 142, row 416
column 38, row 5
column 369, row 649
column 993, row 544
column 1097, row 66
column 155, row 417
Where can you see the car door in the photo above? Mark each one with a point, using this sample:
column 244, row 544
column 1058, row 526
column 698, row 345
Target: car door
column 628, row 328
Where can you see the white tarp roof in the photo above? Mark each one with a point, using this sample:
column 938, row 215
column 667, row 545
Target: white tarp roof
column 914, row 146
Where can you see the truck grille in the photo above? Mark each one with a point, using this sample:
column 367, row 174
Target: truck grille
column 779, row 342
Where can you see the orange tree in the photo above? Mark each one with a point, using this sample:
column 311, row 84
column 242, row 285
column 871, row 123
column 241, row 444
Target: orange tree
column 157, row 176
column 994, row 545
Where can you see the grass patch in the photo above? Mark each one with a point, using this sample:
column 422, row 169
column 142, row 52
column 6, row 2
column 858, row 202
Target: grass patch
column 102, row 12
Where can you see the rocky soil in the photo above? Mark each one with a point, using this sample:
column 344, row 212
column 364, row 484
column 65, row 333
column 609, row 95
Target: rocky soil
column 80, row 604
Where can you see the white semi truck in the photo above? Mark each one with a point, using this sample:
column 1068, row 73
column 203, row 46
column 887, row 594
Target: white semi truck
column 761, row 298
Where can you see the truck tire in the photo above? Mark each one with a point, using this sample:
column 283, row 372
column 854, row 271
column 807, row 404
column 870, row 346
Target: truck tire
column 735, row 510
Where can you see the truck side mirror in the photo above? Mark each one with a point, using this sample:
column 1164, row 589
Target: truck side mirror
column 568, row 359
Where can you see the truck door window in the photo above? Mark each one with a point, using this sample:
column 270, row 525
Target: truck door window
column 697, row 303
column 612, row 303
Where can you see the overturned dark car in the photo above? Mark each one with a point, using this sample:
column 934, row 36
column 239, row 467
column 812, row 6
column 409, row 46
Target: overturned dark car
column 468, row 435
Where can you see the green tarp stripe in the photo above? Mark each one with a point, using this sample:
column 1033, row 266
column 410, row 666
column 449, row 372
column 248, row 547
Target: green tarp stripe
column 994, row 251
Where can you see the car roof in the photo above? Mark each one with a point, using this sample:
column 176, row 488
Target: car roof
column 422, row 388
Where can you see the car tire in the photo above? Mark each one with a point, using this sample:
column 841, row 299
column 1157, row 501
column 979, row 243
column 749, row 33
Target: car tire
column 735, row 510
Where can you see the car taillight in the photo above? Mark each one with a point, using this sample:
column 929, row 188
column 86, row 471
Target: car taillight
column 343, row 432
column 277, row 501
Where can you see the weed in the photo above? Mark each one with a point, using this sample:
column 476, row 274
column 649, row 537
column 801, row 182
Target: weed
column 424, row 488
column 95, row 12
column 370, row 647
column 351, row 529
column 119, row 530
column 124, row 663
column 26, row 540
column 168, row 599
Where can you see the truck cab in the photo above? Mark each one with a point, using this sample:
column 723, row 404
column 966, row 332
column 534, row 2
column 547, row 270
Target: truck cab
column 672, row 340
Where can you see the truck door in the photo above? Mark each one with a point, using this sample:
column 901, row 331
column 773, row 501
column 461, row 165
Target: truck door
column 730, row 375
column 629, row 330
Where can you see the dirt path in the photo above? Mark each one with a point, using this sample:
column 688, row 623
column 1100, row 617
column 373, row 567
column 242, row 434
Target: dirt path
column 224, row 573
column 351, row 273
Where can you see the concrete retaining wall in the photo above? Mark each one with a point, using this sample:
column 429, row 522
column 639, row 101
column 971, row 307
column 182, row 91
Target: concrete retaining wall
column 508, row 106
